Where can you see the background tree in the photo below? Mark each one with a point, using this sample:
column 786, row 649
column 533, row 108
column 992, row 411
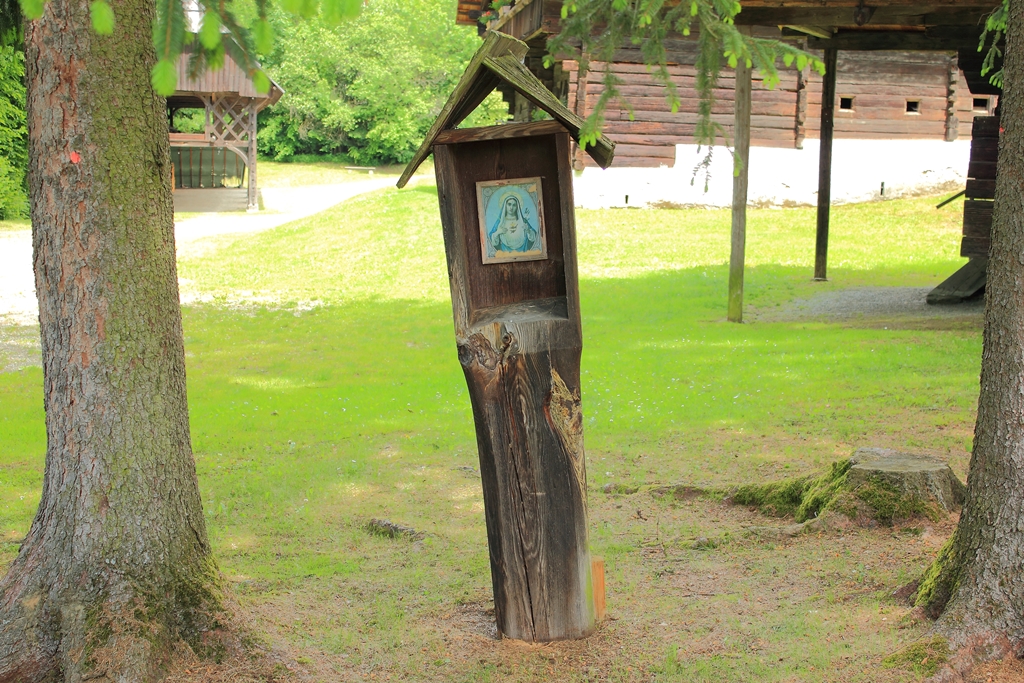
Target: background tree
column 370, row 88
column 13, row 135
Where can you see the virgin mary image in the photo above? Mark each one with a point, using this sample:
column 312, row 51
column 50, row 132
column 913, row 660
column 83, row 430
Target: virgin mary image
column 511, row 220
column 512, row 232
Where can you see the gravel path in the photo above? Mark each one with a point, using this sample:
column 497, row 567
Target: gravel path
column 284, row 205
column 871, row 303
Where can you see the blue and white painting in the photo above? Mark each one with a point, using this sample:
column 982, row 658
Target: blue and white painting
column 511, row 220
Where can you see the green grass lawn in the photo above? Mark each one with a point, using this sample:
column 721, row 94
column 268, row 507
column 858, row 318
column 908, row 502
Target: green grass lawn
column 344, row 400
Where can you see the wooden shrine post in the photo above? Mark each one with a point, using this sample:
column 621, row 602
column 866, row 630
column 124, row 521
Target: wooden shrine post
column 505, row 194
column 828, row 119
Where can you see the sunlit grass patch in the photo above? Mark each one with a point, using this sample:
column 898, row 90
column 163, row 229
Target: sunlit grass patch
column 308, row 421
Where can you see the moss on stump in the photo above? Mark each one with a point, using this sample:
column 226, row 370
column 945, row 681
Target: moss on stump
column 875, row 485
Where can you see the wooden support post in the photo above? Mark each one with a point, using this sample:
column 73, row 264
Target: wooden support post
column 828, row 118
column 580, row 107
column 952, row 122
column 800, row 124
column 254, row 204
column 741, row 134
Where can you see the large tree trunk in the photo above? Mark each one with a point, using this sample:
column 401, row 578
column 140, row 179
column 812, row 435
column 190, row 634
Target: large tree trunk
column 977, row 583
column 116, row 569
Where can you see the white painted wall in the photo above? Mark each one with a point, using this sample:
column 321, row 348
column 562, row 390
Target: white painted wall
column 785, row 177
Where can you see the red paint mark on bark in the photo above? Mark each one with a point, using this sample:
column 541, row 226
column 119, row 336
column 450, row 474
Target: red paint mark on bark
column 75, row 157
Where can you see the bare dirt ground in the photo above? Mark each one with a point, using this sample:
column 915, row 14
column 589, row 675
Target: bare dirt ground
column 757, row 606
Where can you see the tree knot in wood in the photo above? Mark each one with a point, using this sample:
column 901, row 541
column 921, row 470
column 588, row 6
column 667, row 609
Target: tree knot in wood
column 477, row 350
column 565, row 416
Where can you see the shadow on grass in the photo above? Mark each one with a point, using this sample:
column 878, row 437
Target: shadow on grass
column 365, row 404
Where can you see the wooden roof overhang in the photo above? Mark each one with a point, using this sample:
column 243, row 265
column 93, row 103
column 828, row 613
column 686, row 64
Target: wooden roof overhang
column 500, row 60
column 230, row 80
column 847, row 24
column 875, row 24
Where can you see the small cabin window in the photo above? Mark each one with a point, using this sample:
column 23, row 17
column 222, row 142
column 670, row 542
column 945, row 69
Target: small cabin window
column 913, row 106
column 846, row 103
column 981, row 104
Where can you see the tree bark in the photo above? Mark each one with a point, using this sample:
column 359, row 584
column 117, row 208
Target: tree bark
column 116, row 569
column 976, row 584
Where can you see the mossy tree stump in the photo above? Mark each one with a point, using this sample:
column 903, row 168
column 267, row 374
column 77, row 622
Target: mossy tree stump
column 921, row 477
column 875, row 484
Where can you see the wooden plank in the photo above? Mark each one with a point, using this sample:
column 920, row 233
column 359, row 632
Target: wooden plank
column 894, row 40
column 981, row 189
column 739, row 191
column 974, row 247
column 508, row 130
column 985, row 127
column 963, row 284
column 597, row 571
column 978, row 218
column 982, row 170
column 985, row 149
column 825, row 164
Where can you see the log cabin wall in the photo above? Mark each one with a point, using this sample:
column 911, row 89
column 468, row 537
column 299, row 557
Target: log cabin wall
column 882, row 95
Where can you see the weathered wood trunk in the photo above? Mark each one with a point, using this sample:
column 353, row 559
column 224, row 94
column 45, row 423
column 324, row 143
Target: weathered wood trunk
column 517, row 327
column 977, row 579
column 116, row 566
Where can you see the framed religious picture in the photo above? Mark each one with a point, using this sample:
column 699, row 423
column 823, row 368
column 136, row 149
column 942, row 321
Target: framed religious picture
column 511, row 215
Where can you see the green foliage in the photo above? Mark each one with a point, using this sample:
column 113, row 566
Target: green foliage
column 13, row 134
column 102, row 17
column 368, row 89
column 647, row 23
column 995, row 31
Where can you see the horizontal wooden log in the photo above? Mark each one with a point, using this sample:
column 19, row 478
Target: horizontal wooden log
column 974, row 247
column 984, row 149
column 655, row 152
column 985, row 127
column 977, row 218
column 982, row 170
column 642, row 105
column 981, row 189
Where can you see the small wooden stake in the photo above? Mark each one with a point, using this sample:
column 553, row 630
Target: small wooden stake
column 739, row 192
column 597, row 574
column 828, row 118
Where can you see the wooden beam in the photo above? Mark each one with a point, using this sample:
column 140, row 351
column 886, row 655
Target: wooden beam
column 741, row 133
column 828, row 116
column 896, row 40
column 919, row 15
